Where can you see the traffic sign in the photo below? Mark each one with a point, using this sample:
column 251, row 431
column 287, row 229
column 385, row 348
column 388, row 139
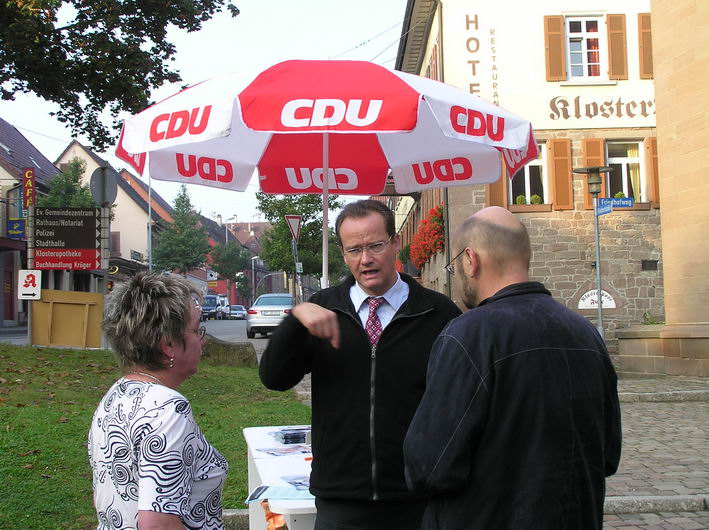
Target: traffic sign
column 103, row 185
column 294, row 222
column 29, row 285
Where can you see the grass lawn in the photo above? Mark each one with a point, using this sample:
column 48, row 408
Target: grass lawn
column 47, row 399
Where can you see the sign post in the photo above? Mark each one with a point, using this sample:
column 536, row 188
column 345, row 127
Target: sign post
column 294, row 223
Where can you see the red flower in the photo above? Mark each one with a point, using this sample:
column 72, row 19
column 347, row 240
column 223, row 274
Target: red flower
column 429, row 238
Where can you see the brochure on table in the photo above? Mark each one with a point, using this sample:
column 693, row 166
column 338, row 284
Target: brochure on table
column 284, row 470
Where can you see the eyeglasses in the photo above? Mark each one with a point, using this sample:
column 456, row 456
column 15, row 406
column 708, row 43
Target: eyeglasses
column 200, row 331
column 450, row 268
column 372, row 248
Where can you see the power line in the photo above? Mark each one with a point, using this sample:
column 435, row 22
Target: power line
column 42, row 134
column 397, row 40
column 368, row 40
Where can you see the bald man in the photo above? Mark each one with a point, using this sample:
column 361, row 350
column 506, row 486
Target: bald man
column 520, row 423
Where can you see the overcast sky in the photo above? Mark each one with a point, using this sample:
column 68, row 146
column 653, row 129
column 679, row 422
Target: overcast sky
column 265, row 33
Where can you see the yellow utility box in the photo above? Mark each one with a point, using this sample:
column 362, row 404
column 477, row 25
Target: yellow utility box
column 67, row 318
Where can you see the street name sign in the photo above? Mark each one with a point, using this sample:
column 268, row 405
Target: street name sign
column 608, row 204
column 67, row 238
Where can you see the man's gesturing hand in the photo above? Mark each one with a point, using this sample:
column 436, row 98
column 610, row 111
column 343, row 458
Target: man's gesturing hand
column 319, row 321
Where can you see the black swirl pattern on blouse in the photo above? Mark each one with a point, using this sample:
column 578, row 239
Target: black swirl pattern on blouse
column 167, row 468
column 134, row 447
column 110, row 518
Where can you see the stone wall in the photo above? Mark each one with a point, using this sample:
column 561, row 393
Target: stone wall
column 564, row 255
column 564, row 252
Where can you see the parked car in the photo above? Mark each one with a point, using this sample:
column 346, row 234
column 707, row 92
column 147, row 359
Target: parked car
column 223, row 307
column 267, row 312
column 237, row 312
column 210, row 305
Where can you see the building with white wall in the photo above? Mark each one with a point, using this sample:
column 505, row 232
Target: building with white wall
column 581, row 72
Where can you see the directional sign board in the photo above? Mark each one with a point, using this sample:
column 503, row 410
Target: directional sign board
column 294, row 225
column 67, row 238
column 29, row 285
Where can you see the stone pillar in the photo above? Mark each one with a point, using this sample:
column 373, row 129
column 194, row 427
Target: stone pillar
column 680, row 42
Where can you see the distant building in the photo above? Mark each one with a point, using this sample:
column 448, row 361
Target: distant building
column 16, row 154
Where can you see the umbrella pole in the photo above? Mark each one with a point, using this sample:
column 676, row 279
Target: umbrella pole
column 324, row 281
column 150, row 222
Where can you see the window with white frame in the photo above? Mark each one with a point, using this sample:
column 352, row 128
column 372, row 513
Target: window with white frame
column 586, row 47
column 628, row 176
column 529, row 185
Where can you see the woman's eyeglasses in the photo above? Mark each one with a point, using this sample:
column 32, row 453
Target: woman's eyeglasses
column 200, row 331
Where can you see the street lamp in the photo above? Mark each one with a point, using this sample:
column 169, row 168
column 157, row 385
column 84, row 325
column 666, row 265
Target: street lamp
column 226, row 227
column 594, row 188
column 253, row 279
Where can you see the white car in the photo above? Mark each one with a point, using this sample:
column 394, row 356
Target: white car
column 267, row 312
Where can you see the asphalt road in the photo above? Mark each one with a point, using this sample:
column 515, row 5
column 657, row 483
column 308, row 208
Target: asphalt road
column 235, row 331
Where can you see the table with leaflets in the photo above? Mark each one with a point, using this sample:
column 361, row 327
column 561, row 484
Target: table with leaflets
column 273, row 463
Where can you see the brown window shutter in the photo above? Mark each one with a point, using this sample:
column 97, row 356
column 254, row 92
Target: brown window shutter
column 559, row 155
column 617, row 48
column 645, row 44
column 653, row 176
column 594, row 154
column 497, row 191
column 554, row 48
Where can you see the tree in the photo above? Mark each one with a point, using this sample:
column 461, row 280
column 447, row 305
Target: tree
column 276, row 243
column 66, row 189
column 106, row 59
column 230, row 261
column 184, row 244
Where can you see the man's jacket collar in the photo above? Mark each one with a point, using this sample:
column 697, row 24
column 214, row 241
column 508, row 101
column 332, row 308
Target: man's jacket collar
column 516, row 289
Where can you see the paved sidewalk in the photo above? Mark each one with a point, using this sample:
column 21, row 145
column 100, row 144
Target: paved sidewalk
column 663, row 478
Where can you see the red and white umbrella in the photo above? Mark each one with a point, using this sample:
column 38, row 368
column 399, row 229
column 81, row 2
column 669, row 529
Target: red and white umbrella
column 353, row 121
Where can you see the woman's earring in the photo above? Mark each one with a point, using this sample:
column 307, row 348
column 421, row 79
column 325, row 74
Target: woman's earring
column 172, row 362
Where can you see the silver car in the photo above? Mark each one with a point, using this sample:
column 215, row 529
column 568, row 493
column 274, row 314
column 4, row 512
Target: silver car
column 267, row 312
column 237, row 311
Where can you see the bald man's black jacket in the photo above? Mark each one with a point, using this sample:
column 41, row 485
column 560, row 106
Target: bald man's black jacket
column 520, row 421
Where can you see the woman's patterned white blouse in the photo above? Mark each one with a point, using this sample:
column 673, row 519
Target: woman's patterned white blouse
column 147, row 453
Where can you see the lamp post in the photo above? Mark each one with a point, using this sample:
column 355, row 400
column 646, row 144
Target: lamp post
column 594, row 188
column 253, row 279
column 226, row 228
column 262, row 278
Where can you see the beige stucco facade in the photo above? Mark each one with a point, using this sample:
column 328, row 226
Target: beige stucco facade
column 681, row 58
column 130, row 219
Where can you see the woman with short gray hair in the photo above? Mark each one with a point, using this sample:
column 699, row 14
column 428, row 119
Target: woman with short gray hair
column 152, row 466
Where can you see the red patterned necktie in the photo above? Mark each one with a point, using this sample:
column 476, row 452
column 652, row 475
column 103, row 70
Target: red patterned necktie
column 374, row 325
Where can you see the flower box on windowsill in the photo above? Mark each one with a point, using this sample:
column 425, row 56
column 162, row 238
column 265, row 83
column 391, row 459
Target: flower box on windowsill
column 529, row 208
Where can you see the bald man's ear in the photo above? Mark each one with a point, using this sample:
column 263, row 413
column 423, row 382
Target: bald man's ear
column 473, row 261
